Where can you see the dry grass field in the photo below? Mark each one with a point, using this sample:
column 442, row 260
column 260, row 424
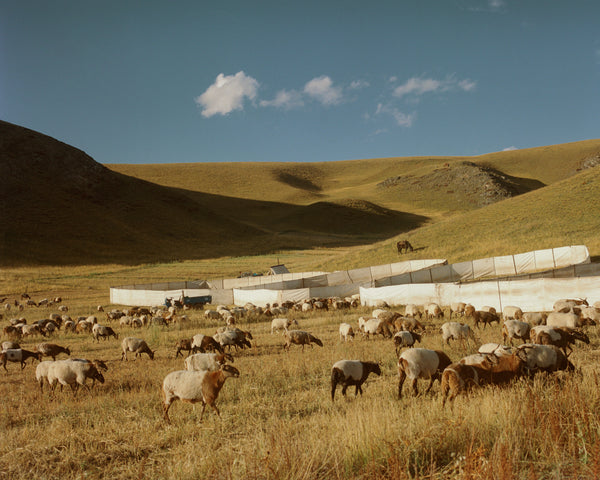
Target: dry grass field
column 277, row 418
column 83, row 227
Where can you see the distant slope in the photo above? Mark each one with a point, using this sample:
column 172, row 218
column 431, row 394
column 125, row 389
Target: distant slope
column 564, row 213
column 59, row 206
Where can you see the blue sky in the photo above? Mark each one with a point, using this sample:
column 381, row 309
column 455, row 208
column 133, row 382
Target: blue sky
column 195, row 81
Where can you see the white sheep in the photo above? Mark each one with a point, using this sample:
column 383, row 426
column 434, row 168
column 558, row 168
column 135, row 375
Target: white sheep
column 433, row 310
column 412, row 310
column 535, row 318
column 346, row 332
column 371, row 327
column 195, row 386
column 590, row 313
column 545, row 358
column 351, row 372
column 496, row 348
column 457, row 308
column 282, row 324
column 515, row 329
column 416, row 363
column 135, row 345
column 102, row 331
column 73, row 373
column 511, row 312
column 207, row 361
column 456, row 331
column 568, row 319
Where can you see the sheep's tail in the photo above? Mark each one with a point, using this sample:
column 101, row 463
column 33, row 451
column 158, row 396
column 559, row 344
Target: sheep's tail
column 315, row 340
column 336, row 377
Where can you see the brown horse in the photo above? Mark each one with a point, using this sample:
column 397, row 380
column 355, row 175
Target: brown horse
column 404, row 246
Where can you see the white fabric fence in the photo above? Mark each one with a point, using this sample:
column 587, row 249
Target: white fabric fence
column 530, row 295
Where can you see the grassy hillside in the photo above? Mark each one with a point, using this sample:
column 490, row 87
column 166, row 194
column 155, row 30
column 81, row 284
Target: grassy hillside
column 76, row 211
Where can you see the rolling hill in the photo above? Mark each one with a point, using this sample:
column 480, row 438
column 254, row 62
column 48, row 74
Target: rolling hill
column 59, row 206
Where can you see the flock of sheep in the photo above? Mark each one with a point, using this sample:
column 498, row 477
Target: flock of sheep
column 547, row 341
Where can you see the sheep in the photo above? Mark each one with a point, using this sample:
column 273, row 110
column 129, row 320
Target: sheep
column 184, row 344
column 456, row 331
column 512, row 313
column 375, row 326
column 33, row 329
column 101, row 331
column 193, row 387
column 212, row 314
column 409, row 324
column 457, row 308
column 515, row 329
column 497, row 349
column 41, row 372
column 203, row 343
column 562, row 337
column 413, row 311
column 52, row 350
column 207, row 361
column 282, row 324
column 459, row 377
column 404, row 338
column 590, row 313
column 10, row 345
column 346, row 332
column 233, row 338
column 535, row 318
column 433, row 310
column 73, row 373
column 571, row 320
column 566, row 305
column 18, row 355
column 423, row 363
column 481, row 316
column 300, row 337
column 351, row 372
column 544, row 358
column 137, row 346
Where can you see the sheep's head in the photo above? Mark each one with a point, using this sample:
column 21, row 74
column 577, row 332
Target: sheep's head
column 230, row 371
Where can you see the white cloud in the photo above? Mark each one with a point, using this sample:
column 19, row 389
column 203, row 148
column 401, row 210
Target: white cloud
column 510, row 149
column 285, row 99
column 496, row 4
column 357, row 84
column 417, row 86
column 227, row 94
column 402, row 119
column 322, row 89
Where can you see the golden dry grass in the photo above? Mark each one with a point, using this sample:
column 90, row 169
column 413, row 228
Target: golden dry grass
column 277, row 419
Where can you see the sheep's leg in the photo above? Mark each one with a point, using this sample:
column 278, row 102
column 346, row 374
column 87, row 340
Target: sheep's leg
column 402, row 377
column 166, row 407
column 415, row 389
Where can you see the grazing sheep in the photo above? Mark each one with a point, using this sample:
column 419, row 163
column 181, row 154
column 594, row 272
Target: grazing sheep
column 52, row 350
column 562, row 337
column 566, row 305
column 73, row 373
column 282, row 324
column 300, row 337
column 351, row 372
column 458, row 309
column 207, row 361
column 497, row 349
column 204, row 343
column 101, row 331
column 233, row 338
column 409, row 324
column 184, row 344
column 456, row 331
column 515, row 329
column 405, row 338
column 346, row 332
column 535, row 318
column 590, row 313
column 413, row 311
column 19, row 355
column 193, row 387
column 375, row 326
column 137, row 346
column 459, row 377
column 512, row 313
column 433, row 310
column 544, row 358
column 33, row 329
column 569, row 319
column 10, row 345
column 481, row 316
column 416, row 363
